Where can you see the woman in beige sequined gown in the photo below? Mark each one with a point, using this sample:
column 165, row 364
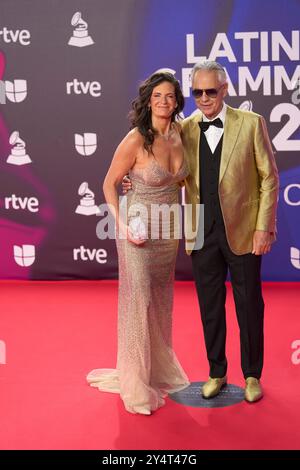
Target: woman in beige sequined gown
column 147, row 367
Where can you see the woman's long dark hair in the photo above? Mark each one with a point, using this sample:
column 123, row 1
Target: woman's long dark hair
column 140, row 115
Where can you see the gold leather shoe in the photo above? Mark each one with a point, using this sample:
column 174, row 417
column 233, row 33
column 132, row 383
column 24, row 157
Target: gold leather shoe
column 212, row 387
column 253, row 390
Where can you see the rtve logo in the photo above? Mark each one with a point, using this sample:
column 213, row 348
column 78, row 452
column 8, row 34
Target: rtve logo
column 79, row 88
column 20, row 35
column 291, row 194
column 15, row 202
column 15, row 91
column 24, row 255
column 86, row 144
column 85, row 254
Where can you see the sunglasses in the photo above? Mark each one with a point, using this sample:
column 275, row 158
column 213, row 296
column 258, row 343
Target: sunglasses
column 210, row 92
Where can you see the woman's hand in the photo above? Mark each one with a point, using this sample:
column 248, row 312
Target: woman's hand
column 126, row 184
column 134, row 240
column 128, row 235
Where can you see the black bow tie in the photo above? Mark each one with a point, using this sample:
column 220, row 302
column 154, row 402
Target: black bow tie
column 204, row 125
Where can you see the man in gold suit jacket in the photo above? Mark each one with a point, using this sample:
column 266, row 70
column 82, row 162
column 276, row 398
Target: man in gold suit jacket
column 233, row 174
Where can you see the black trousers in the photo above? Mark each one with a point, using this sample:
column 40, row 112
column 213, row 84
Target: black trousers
column 210, row 267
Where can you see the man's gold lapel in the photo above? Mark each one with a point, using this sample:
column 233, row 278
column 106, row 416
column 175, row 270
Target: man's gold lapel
column 233, row 123
column 194, row 151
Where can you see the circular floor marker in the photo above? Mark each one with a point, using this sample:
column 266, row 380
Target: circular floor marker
column 191, row 396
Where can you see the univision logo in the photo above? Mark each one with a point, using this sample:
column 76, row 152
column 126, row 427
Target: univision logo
column 295, row 257
column 86, row 144
column 15, row 91
column 24, row 255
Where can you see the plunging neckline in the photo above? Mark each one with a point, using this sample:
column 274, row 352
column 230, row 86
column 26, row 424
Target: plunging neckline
column 153, row 161
column 164, row 169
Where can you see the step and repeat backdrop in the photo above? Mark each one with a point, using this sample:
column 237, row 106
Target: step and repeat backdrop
column 69, row 70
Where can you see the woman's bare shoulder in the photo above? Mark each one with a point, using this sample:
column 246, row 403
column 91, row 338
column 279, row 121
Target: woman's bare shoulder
column 134, row 138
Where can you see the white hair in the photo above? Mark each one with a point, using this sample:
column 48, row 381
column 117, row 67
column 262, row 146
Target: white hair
column 210, row 66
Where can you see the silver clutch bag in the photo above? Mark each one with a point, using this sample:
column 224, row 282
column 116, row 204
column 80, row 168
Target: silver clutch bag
column 137, row 228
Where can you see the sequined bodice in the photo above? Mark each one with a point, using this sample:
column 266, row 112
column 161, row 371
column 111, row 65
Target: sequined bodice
column 156, row 184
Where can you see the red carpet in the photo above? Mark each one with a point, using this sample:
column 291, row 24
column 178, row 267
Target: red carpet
column 56, row 332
